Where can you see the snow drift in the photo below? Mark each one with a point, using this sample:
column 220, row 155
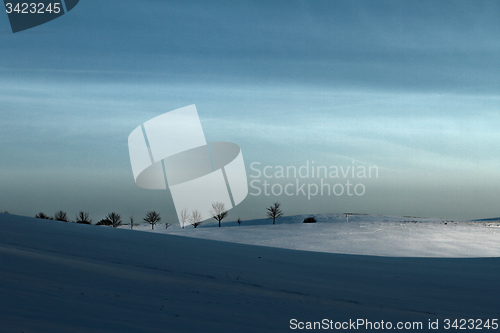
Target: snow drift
column 66, row 277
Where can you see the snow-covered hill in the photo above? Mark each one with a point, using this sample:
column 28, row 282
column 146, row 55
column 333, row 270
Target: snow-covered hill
column 361, row 234
column 66, row 277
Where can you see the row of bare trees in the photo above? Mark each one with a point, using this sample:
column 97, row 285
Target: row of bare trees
column 194, row 218
column 218, row 212
column 58, row 216
column 112, row 219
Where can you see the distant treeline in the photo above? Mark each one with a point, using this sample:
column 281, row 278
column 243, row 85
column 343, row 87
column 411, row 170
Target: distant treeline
column 218, row 212
column 112, row 219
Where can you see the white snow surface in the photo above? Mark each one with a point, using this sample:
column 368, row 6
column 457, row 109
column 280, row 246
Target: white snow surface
column 362, row 234
column 67, row 277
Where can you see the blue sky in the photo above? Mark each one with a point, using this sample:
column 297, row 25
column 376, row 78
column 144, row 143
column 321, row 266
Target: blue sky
column 409, row 86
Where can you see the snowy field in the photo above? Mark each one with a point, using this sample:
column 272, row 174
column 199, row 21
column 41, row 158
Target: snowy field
column 66, row 277
column 361, row 234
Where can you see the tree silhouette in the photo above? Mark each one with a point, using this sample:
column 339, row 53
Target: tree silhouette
column 152, row 218
column 83, row 218
column 274, row 211
column 42, row 215
column 195, row 218
column 218, row 211
column 61, row 216
column 116, row 219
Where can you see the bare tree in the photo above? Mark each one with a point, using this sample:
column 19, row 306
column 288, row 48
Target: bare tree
column 184, row 217
column 42, row 215
column 131, row 222
column 61, row 216
column 83, row 218
column 274, row 211
column 115, row 219
column 152, row 218
column 195, row 218
column 218, row 211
